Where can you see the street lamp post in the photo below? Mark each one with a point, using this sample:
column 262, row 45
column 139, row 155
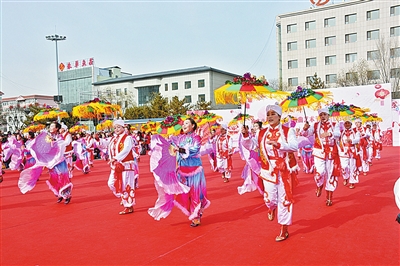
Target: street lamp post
column 57, row 38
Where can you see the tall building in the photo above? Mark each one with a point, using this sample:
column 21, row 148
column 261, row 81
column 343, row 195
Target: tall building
column 76, row 79
column 192, row 84
column 329, row 39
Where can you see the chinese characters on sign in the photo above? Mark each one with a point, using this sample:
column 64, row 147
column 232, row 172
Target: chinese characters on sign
column 76, row 64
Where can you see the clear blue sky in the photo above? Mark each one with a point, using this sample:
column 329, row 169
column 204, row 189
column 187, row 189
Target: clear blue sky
column 138, row 36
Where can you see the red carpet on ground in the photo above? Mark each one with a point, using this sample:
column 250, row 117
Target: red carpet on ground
column 359, row 229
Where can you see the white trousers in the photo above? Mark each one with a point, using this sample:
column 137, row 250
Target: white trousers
column 323, row 175
column 274, row 197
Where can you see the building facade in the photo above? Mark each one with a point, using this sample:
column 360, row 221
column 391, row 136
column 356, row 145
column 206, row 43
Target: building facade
column 76, row 82
column 15, row 109
column 330, row 39
column 192, row 84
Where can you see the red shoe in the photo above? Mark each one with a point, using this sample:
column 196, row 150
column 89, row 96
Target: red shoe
column 126, row 211
column 318, row 191
column 271, row 215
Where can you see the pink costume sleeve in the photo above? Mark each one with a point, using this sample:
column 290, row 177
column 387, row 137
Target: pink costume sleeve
column 163, row 167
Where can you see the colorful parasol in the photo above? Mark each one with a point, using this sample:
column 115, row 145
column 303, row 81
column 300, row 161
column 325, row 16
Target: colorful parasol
column 150, row 126
column 171, row 125
column 95, row 108
column 34, row 127
column 79, row 128
column 246, row 88
column 370, row 118
column 303, row 97
column 240, row 119
column 340, row 111
column 51, row 113
column 105, row 125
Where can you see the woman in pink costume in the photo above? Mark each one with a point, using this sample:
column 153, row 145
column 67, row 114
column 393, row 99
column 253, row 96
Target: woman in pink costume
column 184, row 186
column 48, row 150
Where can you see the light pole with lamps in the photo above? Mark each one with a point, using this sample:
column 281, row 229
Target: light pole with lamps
column 57, row 38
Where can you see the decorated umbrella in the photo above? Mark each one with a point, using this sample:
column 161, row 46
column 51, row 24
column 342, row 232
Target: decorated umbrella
column 50, row 113
column 303, row 97
column 370, row 118
column 240, row 118
column 340, row 111
column 34, row 127
column 79, row 128
column 245, row 88
column 171, row 125
column 150, row 126
column 210, row 118
column 95, row 108
column 105, row 125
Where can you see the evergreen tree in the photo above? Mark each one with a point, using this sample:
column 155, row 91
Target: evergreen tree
column 202, row 106
column 177, row 106
column 316, row 82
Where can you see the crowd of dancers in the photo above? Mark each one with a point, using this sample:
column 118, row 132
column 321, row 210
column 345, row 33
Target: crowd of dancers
column 331, row 151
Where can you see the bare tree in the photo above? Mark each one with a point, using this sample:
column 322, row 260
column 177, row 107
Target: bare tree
column 278, row 84
column 358, row 74
column 387, row 61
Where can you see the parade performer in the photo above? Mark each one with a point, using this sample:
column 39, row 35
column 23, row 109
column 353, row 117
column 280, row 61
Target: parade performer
column 376, row 137
column 81, row 154
column 179, row 175
column 15, row 152
column 28, row 158
column 364, row 145
column 48, row 150
column 89, row 143
column 251, row 169
column 223, row 152
column 101, row 143
column 349, row 154
column 68, row 148
column 123, row 174
column 325, row 151
column 277, row 145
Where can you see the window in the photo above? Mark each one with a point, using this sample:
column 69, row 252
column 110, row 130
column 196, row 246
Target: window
column 395, row 73
column 145, row 94
column 395, row 52
column 372, row 55
column 394, row 11
column 201, row 83
column 188, row 99
column 291, row 28
column 329, row 22
column 351, row 76
column 118, row 92
column 175, row 86
column 373, row 14
column 350, row 58
column 330, row 40
column 351, row 18
column 311, row 62
column 330, row 78
column 293, row 81
column 394, row 31
column 309, row 79
column 351, row 37
column 126, row 91
column 310, row 25
column 330, row 60
column 165, row 87
column 126, row 104
column 291, row 46
column 201, row 98
column 292, row 64
column 311, row 43
column 374, row 74
column 372, row 35
column 188, row 85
